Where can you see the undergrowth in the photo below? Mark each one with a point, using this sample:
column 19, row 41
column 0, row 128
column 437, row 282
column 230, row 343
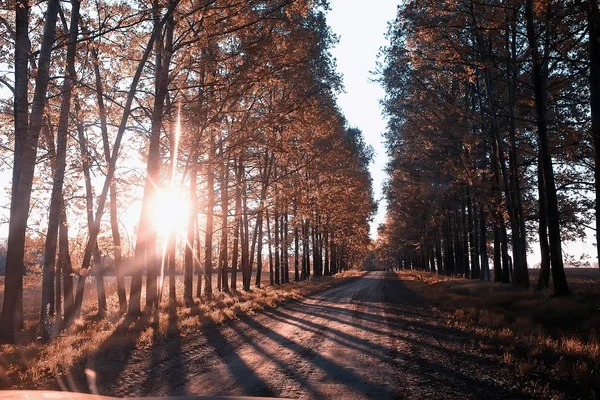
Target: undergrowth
column 548, row 340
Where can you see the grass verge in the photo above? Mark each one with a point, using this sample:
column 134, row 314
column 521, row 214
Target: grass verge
column 549, row 341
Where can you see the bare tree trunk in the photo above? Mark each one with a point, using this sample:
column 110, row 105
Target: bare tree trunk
column 114, row 224
column 282, row 263
column 559, row 279
column 315, row 252
column 199, row 262
column 238, row 219
column 438, row 251
column 188, row 280
column 171, row 246
column 544, row 277
column 259, row 223
column 210, row 200
column 269, row 242
column 286, row 246
column 26, row 134
column 246, row 266
column 64, row 261
column 485, row 265
column 86, row 160
column 307, row 249
column 277, row 259
column 48, row 294
column 147, row 238
column 296, row 245
column 224, row 225
column 475, row 270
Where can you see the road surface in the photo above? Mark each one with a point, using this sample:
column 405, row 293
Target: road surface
column 369, row 338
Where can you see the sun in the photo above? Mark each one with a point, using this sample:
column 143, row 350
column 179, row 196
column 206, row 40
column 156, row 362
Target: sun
column 171, row 211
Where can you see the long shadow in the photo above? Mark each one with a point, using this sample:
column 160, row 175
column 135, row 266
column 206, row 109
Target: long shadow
column 238, row 368
column 294, row 374
column 168, row 365
column 340, row 337
column 354, row 342
column 97, row 373
column 334, row 371
column 447, row 333
column 449, row 377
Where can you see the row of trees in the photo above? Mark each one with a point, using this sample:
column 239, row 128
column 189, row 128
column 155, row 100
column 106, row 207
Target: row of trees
column 228, row 104
column 493, row 135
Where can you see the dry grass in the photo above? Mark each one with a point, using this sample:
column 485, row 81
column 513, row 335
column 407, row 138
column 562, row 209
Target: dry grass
column 541, row 336
column 32, row 360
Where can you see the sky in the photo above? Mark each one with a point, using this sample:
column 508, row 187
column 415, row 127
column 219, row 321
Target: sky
column 361, row 31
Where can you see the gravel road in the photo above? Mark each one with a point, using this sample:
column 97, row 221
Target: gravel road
column 369, row 338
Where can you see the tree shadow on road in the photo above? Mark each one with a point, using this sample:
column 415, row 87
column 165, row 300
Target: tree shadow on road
column 243, row 373
column 334, row 371
column 98, row 372
column 168, row 366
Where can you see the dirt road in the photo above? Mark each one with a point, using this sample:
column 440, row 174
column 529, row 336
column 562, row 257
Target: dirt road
column 369, row 338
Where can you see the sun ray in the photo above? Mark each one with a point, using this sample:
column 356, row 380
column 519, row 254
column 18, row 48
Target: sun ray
column 172, row 205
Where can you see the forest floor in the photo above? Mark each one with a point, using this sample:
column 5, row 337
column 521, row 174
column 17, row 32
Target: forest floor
column 32, row 361
column 371, row 337
column 550, row 342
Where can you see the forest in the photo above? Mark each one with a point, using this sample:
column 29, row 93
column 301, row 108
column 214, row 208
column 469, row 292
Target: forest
column 494, row 135
column 190, row 207
column 152, row 139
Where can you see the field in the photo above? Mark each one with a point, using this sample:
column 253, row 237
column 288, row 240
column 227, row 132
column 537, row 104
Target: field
column 32, row 298
column 31, row 360
column 548, row 340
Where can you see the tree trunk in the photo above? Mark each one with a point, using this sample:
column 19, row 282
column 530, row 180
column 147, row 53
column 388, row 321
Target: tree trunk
column 269, row 243
column 438, row 251
column 223, row 267
column 326, row 245
column 238, row 224
column 277, row 259
column 284, row 251
column 210, row 200
column 246, row 266
column 114, row 224
column 48, row 295
column 296, row 252
column 199, row 260
column 147, row 251
column 473, row 250
column 259, row 222
column 544, row 277
column 171, row 246
column 539, row 83
column 86, row 160
column 64, row 260
column 485, row 265
column 334, row 262
column 188, row 278
column 26, row 134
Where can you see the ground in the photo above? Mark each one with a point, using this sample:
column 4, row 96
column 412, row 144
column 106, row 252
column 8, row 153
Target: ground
column 371, row 337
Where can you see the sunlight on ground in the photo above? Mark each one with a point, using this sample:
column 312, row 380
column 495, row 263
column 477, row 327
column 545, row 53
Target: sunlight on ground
column 33, row 360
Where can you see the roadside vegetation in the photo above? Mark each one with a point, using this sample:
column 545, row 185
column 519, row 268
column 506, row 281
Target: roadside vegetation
column 494, row 140
column 548, row 340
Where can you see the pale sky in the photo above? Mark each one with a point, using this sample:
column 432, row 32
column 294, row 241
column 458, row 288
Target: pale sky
column 361, row 29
